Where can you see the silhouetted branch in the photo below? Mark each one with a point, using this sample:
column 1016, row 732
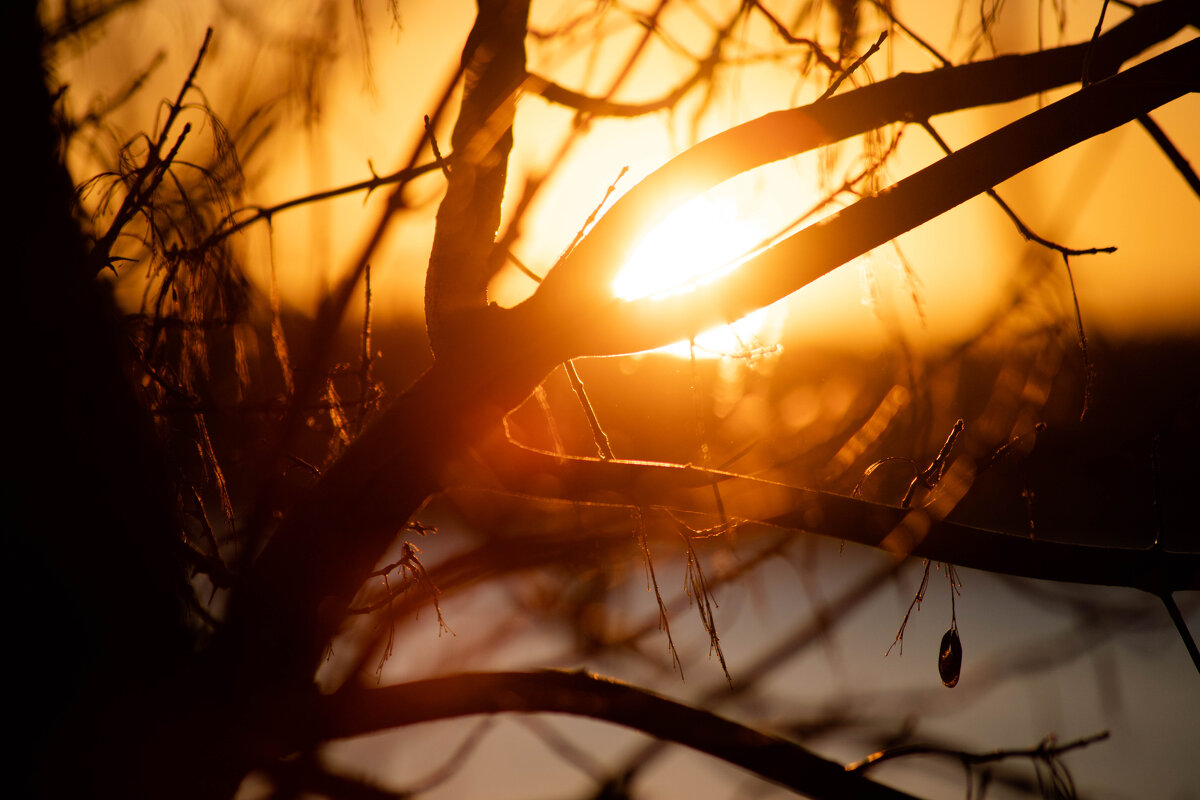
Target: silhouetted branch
column 360, row 711
column 1048, row 749
column 1022, row 228
column 1171, row 151
column 1182, row 628
column 267, row 213
column 819, row 54
column 906, row 97
column 687, row 488
column 147, row 178
column 604, row 107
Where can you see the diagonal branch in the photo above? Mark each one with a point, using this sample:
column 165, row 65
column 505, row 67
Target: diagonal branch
column 688, row 488
column 906, row 97
column 603, row 325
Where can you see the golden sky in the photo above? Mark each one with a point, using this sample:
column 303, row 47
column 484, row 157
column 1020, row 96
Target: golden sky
column 1115, row 190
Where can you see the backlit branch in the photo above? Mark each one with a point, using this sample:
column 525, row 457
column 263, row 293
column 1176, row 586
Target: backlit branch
column 348, row 518
column 906, row 97
column 358, row 712
column 688, row 488
column 626, row 327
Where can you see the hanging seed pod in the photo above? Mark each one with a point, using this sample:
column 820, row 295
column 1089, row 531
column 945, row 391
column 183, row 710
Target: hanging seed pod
column 950, row 658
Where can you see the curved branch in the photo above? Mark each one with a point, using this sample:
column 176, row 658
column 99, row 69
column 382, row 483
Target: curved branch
column 362, row 711
column 603, row 107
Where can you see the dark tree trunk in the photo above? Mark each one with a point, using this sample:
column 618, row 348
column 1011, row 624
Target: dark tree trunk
column 99, row 590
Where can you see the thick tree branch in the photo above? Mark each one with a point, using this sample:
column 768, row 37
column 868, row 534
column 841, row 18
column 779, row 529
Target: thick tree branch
column 680, row 487
column 358, row 712
column 324, row 547
column 906, row 97
column 467, row 220
column 314, row 564
column 604, row 325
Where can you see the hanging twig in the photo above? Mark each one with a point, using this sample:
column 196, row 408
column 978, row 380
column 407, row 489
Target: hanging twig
column 664, row 620
column 1024, row 229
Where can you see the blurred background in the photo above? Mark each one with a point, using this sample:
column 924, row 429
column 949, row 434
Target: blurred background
column 849, row 386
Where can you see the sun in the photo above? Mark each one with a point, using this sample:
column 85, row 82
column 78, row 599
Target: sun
column 696, row 243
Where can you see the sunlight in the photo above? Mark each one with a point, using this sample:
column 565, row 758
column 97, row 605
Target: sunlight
column 695, row 244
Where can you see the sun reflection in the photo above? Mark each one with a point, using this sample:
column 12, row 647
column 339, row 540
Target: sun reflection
column 695, row 244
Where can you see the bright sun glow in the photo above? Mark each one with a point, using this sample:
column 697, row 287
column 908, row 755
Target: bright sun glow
column 695, row 244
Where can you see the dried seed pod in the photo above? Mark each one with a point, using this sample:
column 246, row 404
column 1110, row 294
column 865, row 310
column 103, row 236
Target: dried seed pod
column 950, row 658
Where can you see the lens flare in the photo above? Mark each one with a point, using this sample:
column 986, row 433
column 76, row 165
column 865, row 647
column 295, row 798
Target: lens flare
column 695, row 244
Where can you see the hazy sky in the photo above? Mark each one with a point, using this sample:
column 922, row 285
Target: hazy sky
column 1114, row 190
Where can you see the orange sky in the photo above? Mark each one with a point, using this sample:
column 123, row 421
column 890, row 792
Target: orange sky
column 1117, row 189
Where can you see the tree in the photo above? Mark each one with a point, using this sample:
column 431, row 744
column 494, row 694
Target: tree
column 213, row 533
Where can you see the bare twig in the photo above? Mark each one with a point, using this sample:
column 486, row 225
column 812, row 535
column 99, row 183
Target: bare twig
column 914, row 605
column 147, row 178
column 664, row 620
column 858, row 62
column 1086, row 75
column 598, row 434
column 887, row 10
column 1046, row 750
column 826, row 61
column 1012, row 215
column 1168, row 147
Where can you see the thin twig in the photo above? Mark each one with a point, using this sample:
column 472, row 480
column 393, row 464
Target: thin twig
column 1045, row 750
column 602, row 443
column 825, row 60
column 933, row 473
column 1024, row 229
column 1086, row 76
column 858, row 62
column 265, row 213
column 890, row 13
column 1088, row 370
column 915, row 604
column 1182, row 628
column 1168, row 147
column 664, row 620
column 149, row 176
column 433, row 145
